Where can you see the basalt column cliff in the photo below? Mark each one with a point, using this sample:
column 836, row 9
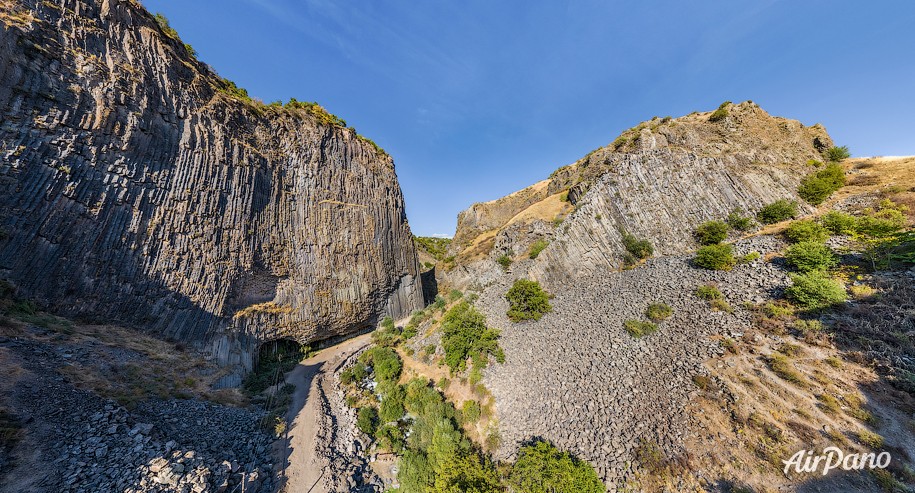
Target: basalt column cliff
column 138, row 186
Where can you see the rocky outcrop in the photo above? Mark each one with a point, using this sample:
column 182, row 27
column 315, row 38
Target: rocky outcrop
column 657, row 181
column 138, row 186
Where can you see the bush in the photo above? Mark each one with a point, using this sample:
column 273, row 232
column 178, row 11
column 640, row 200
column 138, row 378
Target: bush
column 390, row 437
column 465, row 335
column 711, row 232
column 809, row 256
column 542, row 468
column 778, row 211
column 721, row 113
column 640, row 249
column 505, row 261
column 839, row 223
column 367, row 420
column 750, row 257
column 527, row 301
column 384, row 361
column 836, row 154
column 392, row 407
column 536, row 248
column 806, row 230
column 886, row 220
column 658, row 312
column 470, row 411
column 354, row 374
column 817, row 187
column 709, row 292
column 736, row 220
column 716, row 257
column 639, row 328
column 815, row 290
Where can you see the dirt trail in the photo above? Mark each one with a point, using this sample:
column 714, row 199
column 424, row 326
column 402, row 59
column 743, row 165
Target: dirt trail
column 304, row 468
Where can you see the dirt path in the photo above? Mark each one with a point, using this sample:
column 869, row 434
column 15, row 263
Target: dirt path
column 297, row 450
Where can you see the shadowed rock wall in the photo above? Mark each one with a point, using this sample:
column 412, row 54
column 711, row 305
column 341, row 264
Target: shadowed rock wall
column 133, row 189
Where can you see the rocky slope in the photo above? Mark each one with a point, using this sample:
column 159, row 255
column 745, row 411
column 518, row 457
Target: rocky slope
column 138, row 186
column 657, row 181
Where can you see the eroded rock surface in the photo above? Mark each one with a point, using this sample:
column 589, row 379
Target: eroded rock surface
column 135, row 188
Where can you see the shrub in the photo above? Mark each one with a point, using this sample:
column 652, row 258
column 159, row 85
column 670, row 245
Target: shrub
column 505, row 261
column 465, row 335
column 708, row 292
column 536, row 248
column 470, row 411
column 640, row 249
column 437, row 247
column 384, row 361
column 721, row 113
column 711, row 232
column 836, row 154
column 815, row 290
column 870, row 439
column 750, row 257
column 736, row 220
column 716, row 257
column 527, row 301
column 806, row 230
column 719, row 305
column 166, row 28
column 367, row 420
column 817, row 187
column 354, row 374
column 808, row 256
column 658, row 312
column 639, row 328
column 839, row 223
column 887, row 220
column 777, row 211
column 390, row 437
column 543, row 468
column 392, row 406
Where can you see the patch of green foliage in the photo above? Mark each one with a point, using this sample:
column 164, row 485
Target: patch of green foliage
column 815, row 290
column 885, row 220
column 839, row 223
column 438, row 457
column 777, row 211
column 465, row 335
column 806, row 230
column 387, row 334
column 658, row 312
column 637, row 249
column 527, row 301
column 470, row 411
column 836, row 154
column 367, row 420
column 716, row 257
column 639, row 328
column 505, row 261
column 231, row 89
column 750, row 257
column 378, row 148
column 816, row 188
column 384, row 362
column 711, row 232
column 536, row 248
column 808, row 256
column 317, row 111
column 392, row 402
column 721, row 113
column 543, row 468
column 708, row 292
column 437, row 247
column 166, row 28
column 738, row 221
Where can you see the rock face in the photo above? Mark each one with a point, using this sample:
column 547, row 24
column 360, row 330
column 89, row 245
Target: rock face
column 135, row 187
column 657, row 181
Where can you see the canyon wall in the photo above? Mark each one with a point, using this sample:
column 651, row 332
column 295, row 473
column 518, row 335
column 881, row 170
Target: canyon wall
column 139, row 187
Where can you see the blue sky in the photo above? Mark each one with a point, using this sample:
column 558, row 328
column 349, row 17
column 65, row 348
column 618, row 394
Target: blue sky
column 478, row 98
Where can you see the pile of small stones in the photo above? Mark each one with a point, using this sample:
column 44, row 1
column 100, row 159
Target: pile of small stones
column 84, row 443
column 578, row 379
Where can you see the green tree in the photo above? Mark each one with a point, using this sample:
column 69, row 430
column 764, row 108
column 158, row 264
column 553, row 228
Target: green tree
column 806, row 230
column 816, row 188
column 465, row 335
column 527, row 301
column 543, row 468
column 367, row 420
column 836, row 154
